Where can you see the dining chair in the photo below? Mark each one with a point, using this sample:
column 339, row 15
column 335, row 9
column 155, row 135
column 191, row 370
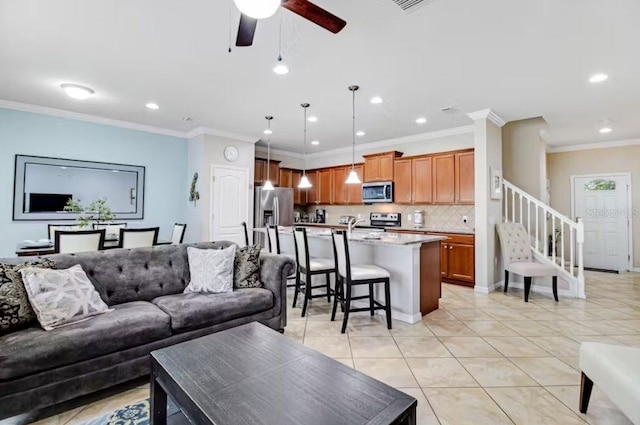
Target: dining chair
column 73, row 241
column 138, row 238
column 517, row 258
column 51, row 229
column 111, row 229
column 246, row 233
column 177, row 236
column 349, row 276
column 307, row 266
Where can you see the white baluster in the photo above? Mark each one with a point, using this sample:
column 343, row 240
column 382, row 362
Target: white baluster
column 572, row 261
column 545, row 241
column 537, row 231
column 506, row 204
column 562, row 242
column 513, row 206
column 553, row 238
column 580, row 240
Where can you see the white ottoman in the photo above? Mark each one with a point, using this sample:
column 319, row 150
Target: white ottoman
column 616, row 371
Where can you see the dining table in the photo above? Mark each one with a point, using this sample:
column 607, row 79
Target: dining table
column 27, row 250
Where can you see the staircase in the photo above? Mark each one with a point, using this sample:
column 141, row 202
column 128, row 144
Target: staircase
column 542, row 221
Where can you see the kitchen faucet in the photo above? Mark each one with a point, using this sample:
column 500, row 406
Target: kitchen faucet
column 351, row 224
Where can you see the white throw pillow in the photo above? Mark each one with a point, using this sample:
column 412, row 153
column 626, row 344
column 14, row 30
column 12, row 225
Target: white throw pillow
column 211, row 270
column 61, row 297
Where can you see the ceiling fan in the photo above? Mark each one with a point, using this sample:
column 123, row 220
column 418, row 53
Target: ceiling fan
column 253, row 10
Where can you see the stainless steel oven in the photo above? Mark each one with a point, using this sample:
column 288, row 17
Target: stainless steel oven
column 377, row 192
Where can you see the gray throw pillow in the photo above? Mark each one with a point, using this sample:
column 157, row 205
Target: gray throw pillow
column 15, row 310
column 211, row 270
column 246, row 267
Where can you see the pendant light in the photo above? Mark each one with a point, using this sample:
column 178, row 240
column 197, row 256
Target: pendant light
column 280, row 68
column 304, row 181
column 267, row 184
column 258, row 9
column 353, row 175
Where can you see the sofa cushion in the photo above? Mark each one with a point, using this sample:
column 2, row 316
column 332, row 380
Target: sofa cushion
column 197, row 310
column 33, row 349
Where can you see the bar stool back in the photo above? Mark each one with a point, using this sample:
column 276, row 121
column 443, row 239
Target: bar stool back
column 349, row 276
column 310, row 267
column 246, row 233
column 273, row 242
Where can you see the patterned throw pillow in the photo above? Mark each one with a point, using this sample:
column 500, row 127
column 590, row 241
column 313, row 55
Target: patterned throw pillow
column 246, row 267
column 15, row 310
column 211, row 270
column 61, row 297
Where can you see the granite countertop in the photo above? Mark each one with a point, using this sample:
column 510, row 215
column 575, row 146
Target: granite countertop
column 434, row 229
column 366, row 237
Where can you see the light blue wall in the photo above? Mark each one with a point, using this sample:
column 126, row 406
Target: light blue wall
column 164, row 157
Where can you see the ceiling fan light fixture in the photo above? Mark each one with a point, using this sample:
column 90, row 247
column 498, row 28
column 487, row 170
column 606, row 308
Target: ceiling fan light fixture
column 258, row 9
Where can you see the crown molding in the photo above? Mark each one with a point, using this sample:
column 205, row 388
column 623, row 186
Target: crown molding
column 60, row 113
column 207, row 131
column 263, row 149
column 595, row 145
column 467, row 129
column 487, row 114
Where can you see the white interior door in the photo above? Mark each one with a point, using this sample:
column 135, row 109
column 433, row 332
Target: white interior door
column 229, row 204
column 603, row 203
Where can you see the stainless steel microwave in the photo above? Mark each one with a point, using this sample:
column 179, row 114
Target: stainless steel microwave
column 378, row 192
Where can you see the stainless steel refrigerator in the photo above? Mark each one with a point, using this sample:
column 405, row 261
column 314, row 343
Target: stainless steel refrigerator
column 271, row 207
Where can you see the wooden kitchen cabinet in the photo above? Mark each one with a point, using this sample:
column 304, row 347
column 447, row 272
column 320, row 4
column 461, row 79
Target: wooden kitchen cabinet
column 354, row 191
column 286, row 177
column 260, row 172
column 403, row 181
column 299, row 195
column 465, row 178
column 312, row 193
column 380, row 167
column 324, row 187
column 443, row 179
column 338, row 186
column 422, row 187
column 458, row 259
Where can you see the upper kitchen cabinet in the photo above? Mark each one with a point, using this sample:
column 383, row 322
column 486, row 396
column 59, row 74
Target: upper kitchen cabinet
column 354, row 191
column 286, row 177
column 260, row 172
column 313, row 192
column 299, row 195
column 403, row 181
column 339, row 187
column 380, row 167
column 465, row 178
column 422, row 186
column 324, row 187
column 444, row 179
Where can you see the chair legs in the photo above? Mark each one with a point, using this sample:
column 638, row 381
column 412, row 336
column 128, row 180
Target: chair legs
column 586, row 385
column 308, row 287
column 307, row 294
column 297, row 286
column 337, row 294
column 506, row 280
column 347, row 309
column 328, row 276
column 345, row 300
column 527, row 288
column 555, row 288
column 371, row 305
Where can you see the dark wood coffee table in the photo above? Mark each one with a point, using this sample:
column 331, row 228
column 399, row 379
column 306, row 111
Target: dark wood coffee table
column 253, row 375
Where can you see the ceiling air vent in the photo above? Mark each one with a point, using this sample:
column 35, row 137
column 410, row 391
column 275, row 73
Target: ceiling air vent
column 411, row 5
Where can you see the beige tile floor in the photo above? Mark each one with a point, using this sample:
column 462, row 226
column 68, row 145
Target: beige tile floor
column 479, row 359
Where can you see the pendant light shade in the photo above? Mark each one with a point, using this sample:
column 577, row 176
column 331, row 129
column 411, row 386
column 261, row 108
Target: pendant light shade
column 258, row 9
column 353, row 175
column 304, row 181
column 267, row 184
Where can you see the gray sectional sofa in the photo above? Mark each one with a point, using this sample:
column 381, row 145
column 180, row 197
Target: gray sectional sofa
column 145, row 287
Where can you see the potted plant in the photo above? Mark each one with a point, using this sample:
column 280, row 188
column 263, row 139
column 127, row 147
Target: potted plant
column 97, row 212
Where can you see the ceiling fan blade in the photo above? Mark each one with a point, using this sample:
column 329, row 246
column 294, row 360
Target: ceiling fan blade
column 315, row 14
column 246, row 31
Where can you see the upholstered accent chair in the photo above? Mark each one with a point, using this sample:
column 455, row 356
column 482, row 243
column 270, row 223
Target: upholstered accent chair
column 74, row 241
column 615, row 369
column 517, row 258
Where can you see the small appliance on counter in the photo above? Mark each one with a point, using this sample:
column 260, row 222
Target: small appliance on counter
column 385, row 220
column 304, row 217
column 296, row 217
column 345, row 219
column 418, row 219
column 321, row 215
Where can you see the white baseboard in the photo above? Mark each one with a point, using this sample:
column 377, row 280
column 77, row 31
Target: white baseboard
column 485, row 289
column 398, row 315
column 547, row 290
column 635, row 269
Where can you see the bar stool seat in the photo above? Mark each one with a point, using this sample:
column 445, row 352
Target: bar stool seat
column 366, row 271
column 318, row 264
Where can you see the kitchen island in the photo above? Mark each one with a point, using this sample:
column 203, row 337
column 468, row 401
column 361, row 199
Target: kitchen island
column 412, row 260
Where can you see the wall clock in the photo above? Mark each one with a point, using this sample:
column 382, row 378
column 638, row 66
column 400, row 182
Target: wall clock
column 231, row 153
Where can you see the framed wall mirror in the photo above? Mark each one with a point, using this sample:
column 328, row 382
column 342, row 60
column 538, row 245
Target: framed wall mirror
column 42, row 187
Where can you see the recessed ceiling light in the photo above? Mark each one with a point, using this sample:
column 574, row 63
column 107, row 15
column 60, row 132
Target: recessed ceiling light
column 187, row 119
column 268, row 131
column 376, row 100
column 421, row 120
column 312, row 119
column 77, row 92
column 152, row 105
column 605, row 130
column 598, row 78
column 315, row 143
column 360, row 133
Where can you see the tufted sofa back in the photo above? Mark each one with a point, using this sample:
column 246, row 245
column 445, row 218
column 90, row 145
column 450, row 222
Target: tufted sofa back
column 139, row 274
column 514, row 242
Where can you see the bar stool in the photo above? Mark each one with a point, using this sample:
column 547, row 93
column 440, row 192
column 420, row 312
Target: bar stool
column 273, row 242
column 310, row 267
column 246, row 233
column 350, row 276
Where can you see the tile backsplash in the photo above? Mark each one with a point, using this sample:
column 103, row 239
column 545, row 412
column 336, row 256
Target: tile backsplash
column 435, row 216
